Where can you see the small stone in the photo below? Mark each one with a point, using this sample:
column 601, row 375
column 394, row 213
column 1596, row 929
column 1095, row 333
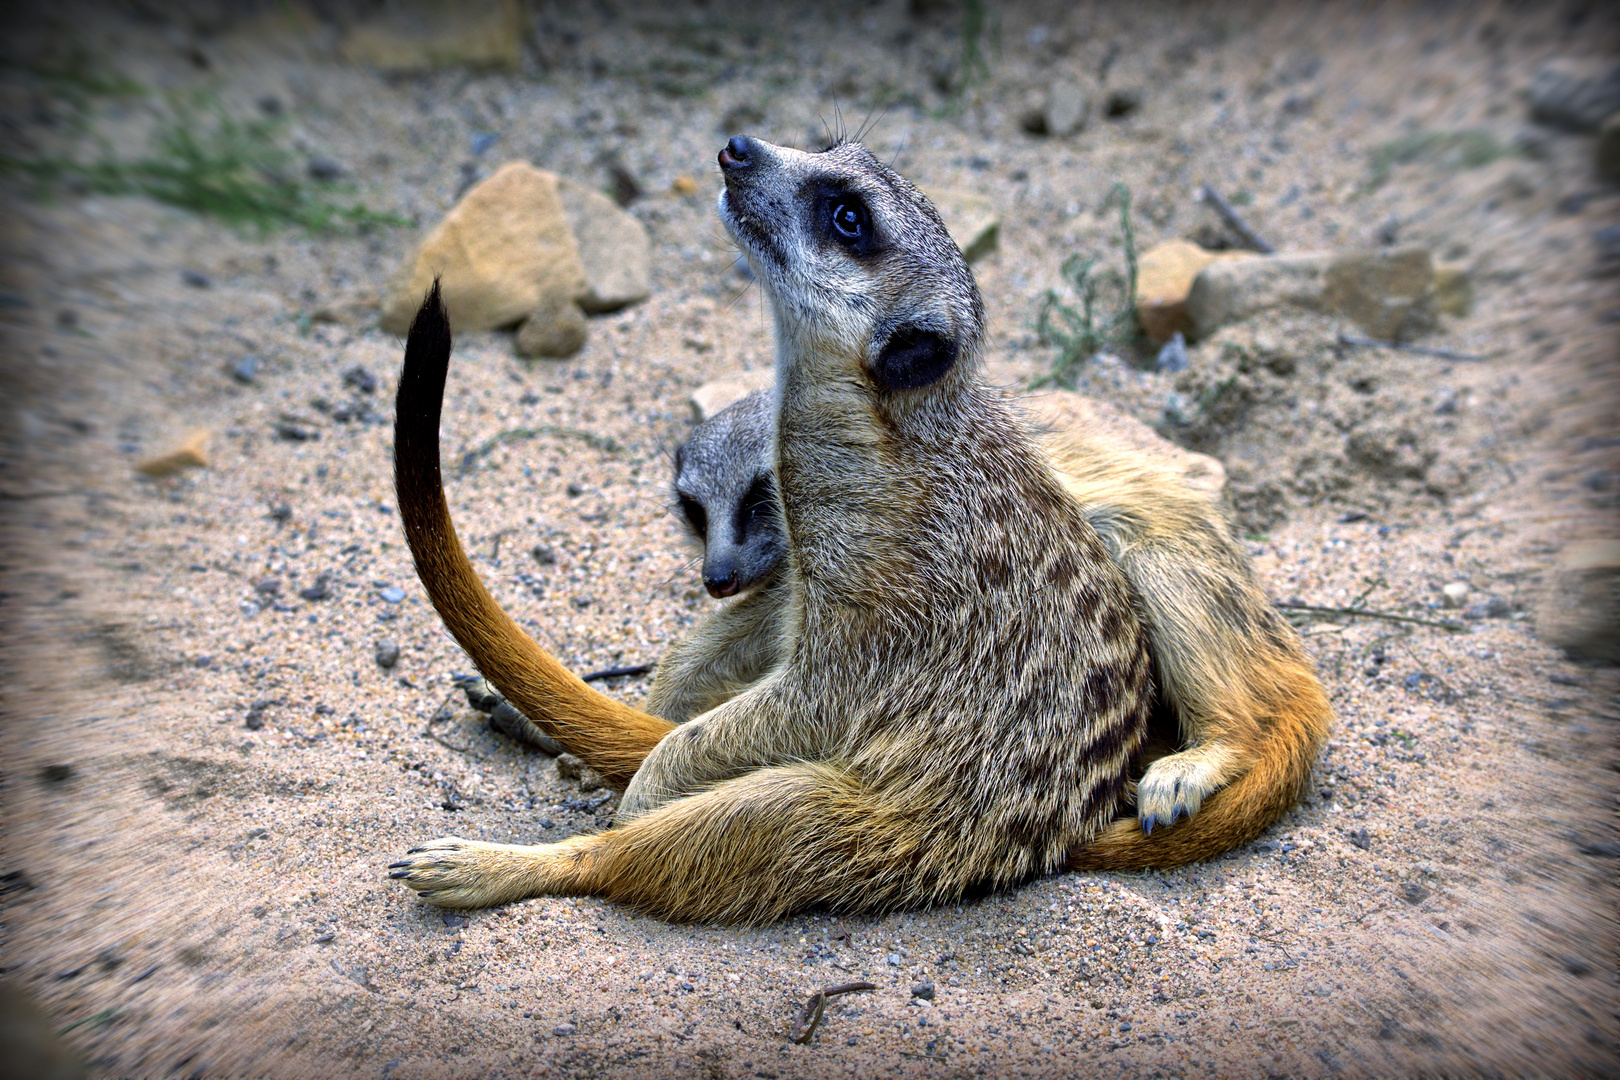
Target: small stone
column 544, row 554
column 1453, row 291
column 923, row 991
column 711, row 397
column 288, row 431
column 55, row 774
column 569, row 767
column 1455, row 593
column 1494, row 607
column 280, row 512
column 323, row 170
column 564, row 1029
column 556, row 328
column 387, row 654
column 1361, row 839
column 189, row 455
column 269, row 586
column 1068, row 107
column 393, row 594
column 196, row 279
column 893, row 959
column 358, row 378
column 1122, row 103
column 1173, row 356
column 320, row 590
column 575, row 490
column 684, row 185
column 254, row 720
column 1415, row 893
column 245, row 370
column 453, row 920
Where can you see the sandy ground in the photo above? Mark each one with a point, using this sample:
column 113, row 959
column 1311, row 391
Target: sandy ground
column 205, row 775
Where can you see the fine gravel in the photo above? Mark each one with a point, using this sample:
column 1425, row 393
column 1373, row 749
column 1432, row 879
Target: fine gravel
column 229, row 704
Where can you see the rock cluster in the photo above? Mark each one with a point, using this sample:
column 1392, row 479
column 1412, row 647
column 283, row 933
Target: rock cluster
column 526, row 247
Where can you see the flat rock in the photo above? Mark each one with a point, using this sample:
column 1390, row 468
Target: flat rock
column 1164, row 276
column 1068, row 107
column 1386, row 293
column 613, row 249
column 972, row 219
column 188, row 455
column 1231, row 290
column 420, row 35
column 1581, row 611
column 1576, row 95
column 504, row 251
column 711, row 397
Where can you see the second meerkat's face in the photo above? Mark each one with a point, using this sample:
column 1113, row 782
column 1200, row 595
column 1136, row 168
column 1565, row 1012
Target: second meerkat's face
column 859, row 266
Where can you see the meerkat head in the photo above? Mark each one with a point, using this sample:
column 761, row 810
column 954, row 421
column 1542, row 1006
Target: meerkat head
column 863, row 277
column 727, row 493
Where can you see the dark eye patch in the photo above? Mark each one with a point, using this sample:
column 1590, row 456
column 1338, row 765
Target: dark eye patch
column 842, row 216
column 696, row 517
column 757, row 508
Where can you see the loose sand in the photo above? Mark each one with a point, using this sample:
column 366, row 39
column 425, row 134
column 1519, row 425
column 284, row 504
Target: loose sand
column 203, row 894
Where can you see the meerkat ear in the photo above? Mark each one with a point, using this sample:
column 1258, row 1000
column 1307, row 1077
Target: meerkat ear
column 913, row 356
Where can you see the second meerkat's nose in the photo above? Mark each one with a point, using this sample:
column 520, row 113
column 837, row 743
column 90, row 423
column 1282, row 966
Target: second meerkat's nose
column 738, row 153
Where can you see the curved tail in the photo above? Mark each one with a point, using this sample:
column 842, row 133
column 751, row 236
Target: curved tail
column 1295, row 717
column 610, row 737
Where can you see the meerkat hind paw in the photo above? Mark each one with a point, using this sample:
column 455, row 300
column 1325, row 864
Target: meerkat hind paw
column 455, row 873
column 1174, row 787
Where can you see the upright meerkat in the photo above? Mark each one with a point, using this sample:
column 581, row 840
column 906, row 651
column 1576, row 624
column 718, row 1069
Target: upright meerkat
column 1249, row 709
column 963, row 678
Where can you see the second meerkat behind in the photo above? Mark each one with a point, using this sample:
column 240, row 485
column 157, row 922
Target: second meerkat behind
column 963, row 679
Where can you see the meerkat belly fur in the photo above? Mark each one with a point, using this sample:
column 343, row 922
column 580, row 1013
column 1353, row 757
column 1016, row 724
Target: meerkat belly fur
column 1231, row 671
column 963, row 679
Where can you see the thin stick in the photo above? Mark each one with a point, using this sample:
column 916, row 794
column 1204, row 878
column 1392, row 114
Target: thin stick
column 1455, row 628
column 810, row 1015
column 1237, row 224
column 1421, row 350
column 616, row 672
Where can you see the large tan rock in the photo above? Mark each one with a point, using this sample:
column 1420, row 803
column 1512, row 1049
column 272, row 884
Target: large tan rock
column 613, row 248
column 711, row 397
column 503, row 251
column 1061, row 414
column 419, row 35
column 972, row 220
column 1231, row 290
column 1386, row 293
column 1164, row 276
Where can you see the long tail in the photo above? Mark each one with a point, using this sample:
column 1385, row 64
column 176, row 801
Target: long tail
column 1295, row 719
column 610, row 737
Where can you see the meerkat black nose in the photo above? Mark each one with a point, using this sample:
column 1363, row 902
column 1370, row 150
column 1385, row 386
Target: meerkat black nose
column 737, row 154
column 722, row 587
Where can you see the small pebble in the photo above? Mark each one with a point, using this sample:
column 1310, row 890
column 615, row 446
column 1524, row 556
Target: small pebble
column 358, row 378
column 291, row 432
column 544, row 554
column 387, row 653
column 1455, row 593
column 564, row 1029
column 924, row 990
column 55, row 774
column 196, row 279
column 318, row 591
column 393, row 594
column 269, row 586
column 569, row 766
column 246, row 369
column 1173, row 355
column 1415, row 893
column 324, row 170
column 281, row 512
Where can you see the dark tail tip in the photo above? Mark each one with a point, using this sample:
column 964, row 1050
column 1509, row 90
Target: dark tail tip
column 427, row 359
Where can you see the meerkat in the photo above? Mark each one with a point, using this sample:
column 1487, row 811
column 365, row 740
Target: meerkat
column 1231, row 671
column 963, row 679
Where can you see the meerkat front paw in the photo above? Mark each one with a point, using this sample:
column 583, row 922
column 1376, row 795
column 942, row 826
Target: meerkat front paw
column 456, row 873
column 1175, row 787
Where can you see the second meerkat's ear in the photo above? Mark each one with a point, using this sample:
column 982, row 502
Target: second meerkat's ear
column 913, row 356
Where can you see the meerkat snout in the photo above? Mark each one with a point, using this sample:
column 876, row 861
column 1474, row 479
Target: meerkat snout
column 726, row 493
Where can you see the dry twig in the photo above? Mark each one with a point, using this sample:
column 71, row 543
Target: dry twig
column 810, row 1015
column 1234, row 222
column 1421, row 350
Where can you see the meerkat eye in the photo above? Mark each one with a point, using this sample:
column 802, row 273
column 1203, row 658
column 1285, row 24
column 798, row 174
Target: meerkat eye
column 695, row 516
column 757, row 507
column 850, row 221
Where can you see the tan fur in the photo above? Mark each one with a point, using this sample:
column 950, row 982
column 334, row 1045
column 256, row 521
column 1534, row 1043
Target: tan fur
column 962, row 680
